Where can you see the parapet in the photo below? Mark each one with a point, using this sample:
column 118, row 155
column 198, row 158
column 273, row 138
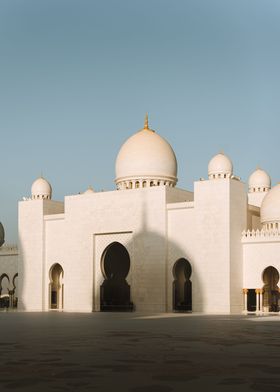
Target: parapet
column 8, row 249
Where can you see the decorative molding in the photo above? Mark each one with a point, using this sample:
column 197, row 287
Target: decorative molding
column 8, row 249
column 262, row 235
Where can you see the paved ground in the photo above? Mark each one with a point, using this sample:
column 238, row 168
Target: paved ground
column 137, row 353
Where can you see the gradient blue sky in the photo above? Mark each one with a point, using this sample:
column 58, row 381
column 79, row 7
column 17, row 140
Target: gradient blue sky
column 77, row 77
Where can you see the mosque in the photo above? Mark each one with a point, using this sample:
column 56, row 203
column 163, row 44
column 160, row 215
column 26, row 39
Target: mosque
column 148, row 245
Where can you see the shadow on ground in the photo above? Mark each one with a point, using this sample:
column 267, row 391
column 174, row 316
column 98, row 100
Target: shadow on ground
column 138, row 353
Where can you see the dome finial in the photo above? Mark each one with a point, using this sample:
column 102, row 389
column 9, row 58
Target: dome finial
column 146, row 123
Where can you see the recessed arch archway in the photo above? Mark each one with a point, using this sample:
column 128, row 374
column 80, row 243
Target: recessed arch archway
column 56, row 287
column 4, row 291
column 182, row 285
column 115, row 291
column 270, row 277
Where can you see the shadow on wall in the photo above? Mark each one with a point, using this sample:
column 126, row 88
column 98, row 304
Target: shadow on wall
column 151, row 272
column 139, row 274
column 157, row 275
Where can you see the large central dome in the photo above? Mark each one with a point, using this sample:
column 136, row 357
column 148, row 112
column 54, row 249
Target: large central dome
column 146, row 159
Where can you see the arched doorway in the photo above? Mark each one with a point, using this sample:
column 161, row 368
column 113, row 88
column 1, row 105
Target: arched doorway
column 4, row 291
column 56, row 287
column 182, row 286
column 270, row 289
column 115, row 291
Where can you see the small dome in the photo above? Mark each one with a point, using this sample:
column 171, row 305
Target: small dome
column 89, row 190
column 259, row 181
column 146, row 159
column 41, row 189
column 2, row 234
column 270, row 208
column 220, row 166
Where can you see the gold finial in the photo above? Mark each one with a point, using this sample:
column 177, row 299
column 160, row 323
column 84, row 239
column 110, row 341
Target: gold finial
column 222, row 152
column 146, row 123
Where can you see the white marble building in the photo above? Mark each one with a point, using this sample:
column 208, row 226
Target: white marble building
column 149, row 246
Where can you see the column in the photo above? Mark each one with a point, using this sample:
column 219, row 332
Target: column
column 257, row 300
column 261, row 300
column 245, row 295
column 59, row 297
column 11, row 298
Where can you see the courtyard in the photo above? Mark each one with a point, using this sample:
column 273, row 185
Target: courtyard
column 136, row 352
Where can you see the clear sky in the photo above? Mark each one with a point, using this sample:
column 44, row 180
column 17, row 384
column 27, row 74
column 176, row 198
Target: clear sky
column 78, row 76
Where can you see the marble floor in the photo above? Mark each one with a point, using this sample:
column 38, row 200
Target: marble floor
column 134, row 352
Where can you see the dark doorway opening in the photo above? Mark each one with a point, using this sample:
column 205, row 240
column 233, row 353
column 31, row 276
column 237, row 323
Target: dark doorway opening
column 115, row 291
column 251, row 300
column 270, row 289
column 14, row 292
column 182, row 286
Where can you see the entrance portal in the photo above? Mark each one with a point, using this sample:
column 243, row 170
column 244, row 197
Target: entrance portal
column 56, row 287
column 270, row 289
column 4, row 291
column 115, row 291
column 182, row 286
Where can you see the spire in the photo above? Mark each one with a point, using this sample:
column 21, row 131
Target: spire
column 146, row 123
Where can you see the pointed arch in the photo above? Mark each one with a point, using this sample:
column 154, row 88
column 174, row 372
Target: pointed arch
column 115, row 291
column 14, row 281
column 182, row 285
column 56, row 287
column 270, row 277
column 4, row 291
column 2, row 287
